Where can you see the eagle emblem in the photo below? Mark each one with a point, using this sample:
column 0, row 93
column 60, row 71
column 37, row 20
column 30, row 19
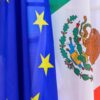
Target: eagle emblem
column 80, row 48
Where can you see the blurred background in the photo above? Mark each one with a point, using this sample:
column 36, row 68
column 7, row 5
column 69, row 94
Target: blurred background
column 95, row 13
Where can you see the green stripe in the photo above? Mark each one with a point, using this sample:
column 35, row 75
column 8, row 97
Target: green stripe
column 56, row 4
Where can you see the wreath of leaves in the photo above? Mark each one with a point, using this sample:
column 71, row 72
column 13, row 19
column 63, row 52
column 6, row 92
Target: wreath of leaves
column 68, row 61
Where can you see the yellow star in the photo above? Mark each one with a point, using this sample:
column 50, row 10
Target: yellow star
column 40, row 20
column 36, row 97
column 45, row 64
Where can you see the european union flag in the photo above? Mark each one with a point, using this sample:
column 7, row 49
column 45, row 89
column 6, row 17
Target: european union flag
column 43, row 73
column 15, row 44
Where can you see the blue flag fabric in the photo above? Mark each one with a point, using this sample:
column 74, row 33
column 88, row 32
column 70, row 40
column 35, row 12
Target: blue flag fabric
column 11, row 53
column 2, row 52
column 22, row 50
column 14, row 60
column 27, row 62
column 43, row 75
column 8, row 54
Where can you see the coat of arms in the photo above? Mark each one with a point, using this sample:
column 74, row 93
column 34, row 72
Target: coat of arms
column 81, row 47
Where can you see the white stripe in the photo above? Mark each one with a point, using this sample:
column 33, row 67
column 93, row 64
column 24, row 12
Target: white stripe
column 70, row 86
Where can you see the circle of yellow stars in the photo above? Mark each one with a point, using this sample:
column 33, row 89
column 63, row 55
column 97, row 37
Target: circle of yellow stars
column 45, row 64
column 40, row 20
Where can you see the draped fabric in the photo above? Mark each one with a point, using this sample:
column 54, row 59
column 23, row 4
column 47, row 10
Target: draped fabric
column 23, row 47
column 16, row 77
column 95, row 18
column 41, row 47
column 14, row 60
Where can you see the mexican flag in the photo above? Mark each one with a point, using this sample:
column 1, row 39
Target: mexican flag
column 77, row 50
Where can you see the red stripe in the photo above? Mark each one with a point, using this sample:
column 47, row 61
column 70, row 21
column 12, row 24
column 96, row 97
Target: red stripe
column 97, row 93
